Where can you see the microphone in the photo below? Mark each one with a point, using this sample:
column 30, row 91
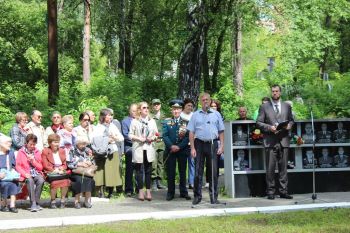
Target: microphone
column 207, row 108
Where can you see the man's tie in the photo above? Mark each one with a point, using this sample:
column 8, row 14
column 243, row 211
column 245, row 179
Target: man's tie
column 276, row 109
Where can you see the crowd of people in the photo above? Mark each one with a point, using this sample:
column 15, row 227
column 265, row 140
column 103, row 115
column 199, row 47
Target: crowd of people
column 86, row 159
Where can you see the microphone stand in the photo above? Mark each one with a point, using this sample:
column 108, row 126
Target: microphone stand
column 212, row 153
column 314, row 194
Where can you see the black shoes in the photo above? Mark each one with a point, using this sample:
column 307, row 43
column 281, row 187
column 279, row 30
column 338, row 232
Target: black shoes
column 216, row 201
column 190, row 186
column 128, row 194
column 62, row 205
column 77, row 205
column 196, row 200
column 286, row 196
column 186, row 196
column 13, row 210
column 160, row 185
column 5, row 209
column 87, row 205
column 53, row 205
column 169, row 197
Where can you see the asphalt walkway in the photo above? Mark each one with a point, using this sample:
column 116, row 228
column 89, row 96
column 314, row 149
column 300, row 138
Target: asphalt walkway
column 106, row 210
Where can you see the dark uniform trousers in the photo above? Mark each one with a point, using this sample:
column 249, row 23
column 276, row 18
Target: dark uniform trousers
column 181, row 158
column 278, row 155
column 129, row 170
column 206, row 152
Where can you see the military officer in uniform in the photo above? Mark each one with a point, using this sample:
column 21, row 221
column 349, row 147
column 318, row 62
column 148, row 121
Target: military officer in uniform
column 158, row 163
column 324, row 136
column 325, row 160
column 175, row 137
column 340, row 134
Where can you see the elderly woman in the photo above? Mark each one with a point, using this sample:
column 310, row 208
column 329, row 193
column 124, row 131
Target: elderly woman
column 81, row 156
column 143, row 132
column 67, row 134
column 7, row 163
column 108, row 172
column 54, row 161
column 29, row 165
column 56, row 125
column 84, row 129
column 19, row 130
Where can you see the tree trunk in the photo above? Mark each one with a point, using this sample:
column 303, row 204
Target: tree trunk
column 323, row 63
column 205, row 61
column 216, row 65
column 344, row 51
column 237, row 55
column 126, row 14
column 86, row 49
column 190, row 59
column 53, row 82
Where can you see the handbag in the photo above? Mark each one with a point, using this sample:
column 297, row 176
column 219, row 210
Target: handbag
column 85, row 171
column 52, row 176
column 100, row 145
column 10, row 175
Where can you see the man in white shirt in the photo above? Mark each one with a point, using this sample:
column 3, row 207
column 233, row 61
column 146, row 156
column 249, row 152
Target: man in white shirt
column 38, row 130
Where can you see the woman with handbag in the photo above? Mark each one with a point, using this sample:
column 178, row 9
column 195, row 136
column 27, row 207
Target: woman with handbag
column 143, row 131
column 8, row 188
column 108, row 172
column 83, row 166
column 55, row 168
column 29, row 165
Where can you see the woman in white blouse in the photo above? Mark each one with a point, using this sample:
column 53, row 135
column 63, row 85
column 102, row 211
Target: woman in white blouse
column 108, row 172
column 143, row 132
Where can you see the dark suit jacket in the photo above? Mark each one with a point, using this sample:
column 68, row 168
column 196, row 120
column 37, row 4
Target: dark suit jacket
column 268, row 117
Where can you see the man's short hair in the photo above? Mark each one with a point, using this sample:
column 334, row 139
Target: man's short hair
column 276, row 85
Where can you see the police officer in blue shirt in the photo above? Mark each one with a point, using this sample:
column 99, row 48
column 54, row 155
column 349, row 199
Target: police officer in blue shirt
column 206, row 129
column 175, row 137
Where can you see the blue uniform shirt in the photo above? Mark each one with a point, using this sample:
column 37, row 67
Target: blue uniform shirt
column 206, row 125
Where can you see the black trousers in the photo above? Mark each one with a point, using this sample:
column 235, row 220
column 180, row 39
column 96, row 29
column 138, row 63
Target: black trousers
column 206, row 152
column 129, row 171
column 278, row 155
column 147, row 168
column 181, row 158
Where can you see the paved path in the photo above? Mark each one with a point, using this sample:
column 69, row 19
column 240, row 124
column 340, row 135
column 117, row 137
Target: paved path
column 105, row 210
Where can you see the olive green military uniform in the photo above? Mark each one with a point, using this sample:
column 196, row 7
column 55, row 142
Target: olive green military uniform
column 158, row 163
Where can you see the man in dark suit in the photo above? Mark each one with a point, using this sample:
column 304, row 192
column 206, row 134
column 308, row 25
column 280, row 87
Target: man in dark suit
column 175, row 137
column 276, row 141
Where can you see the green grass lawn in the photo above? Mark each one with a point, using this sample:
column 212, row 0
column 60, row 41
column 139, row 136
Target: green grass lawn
column 331, row 220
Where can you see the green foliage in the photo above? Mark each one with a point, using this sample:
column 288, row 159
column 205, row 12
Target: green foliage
column 294, row 32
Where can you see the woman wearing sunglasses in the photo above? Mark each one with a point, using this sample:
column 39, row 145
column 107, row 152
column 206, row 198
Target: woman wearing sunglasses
column 143, row 132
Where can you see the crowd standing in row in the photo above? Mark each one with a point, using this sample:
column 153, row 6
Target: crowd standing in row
column 87, row 158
